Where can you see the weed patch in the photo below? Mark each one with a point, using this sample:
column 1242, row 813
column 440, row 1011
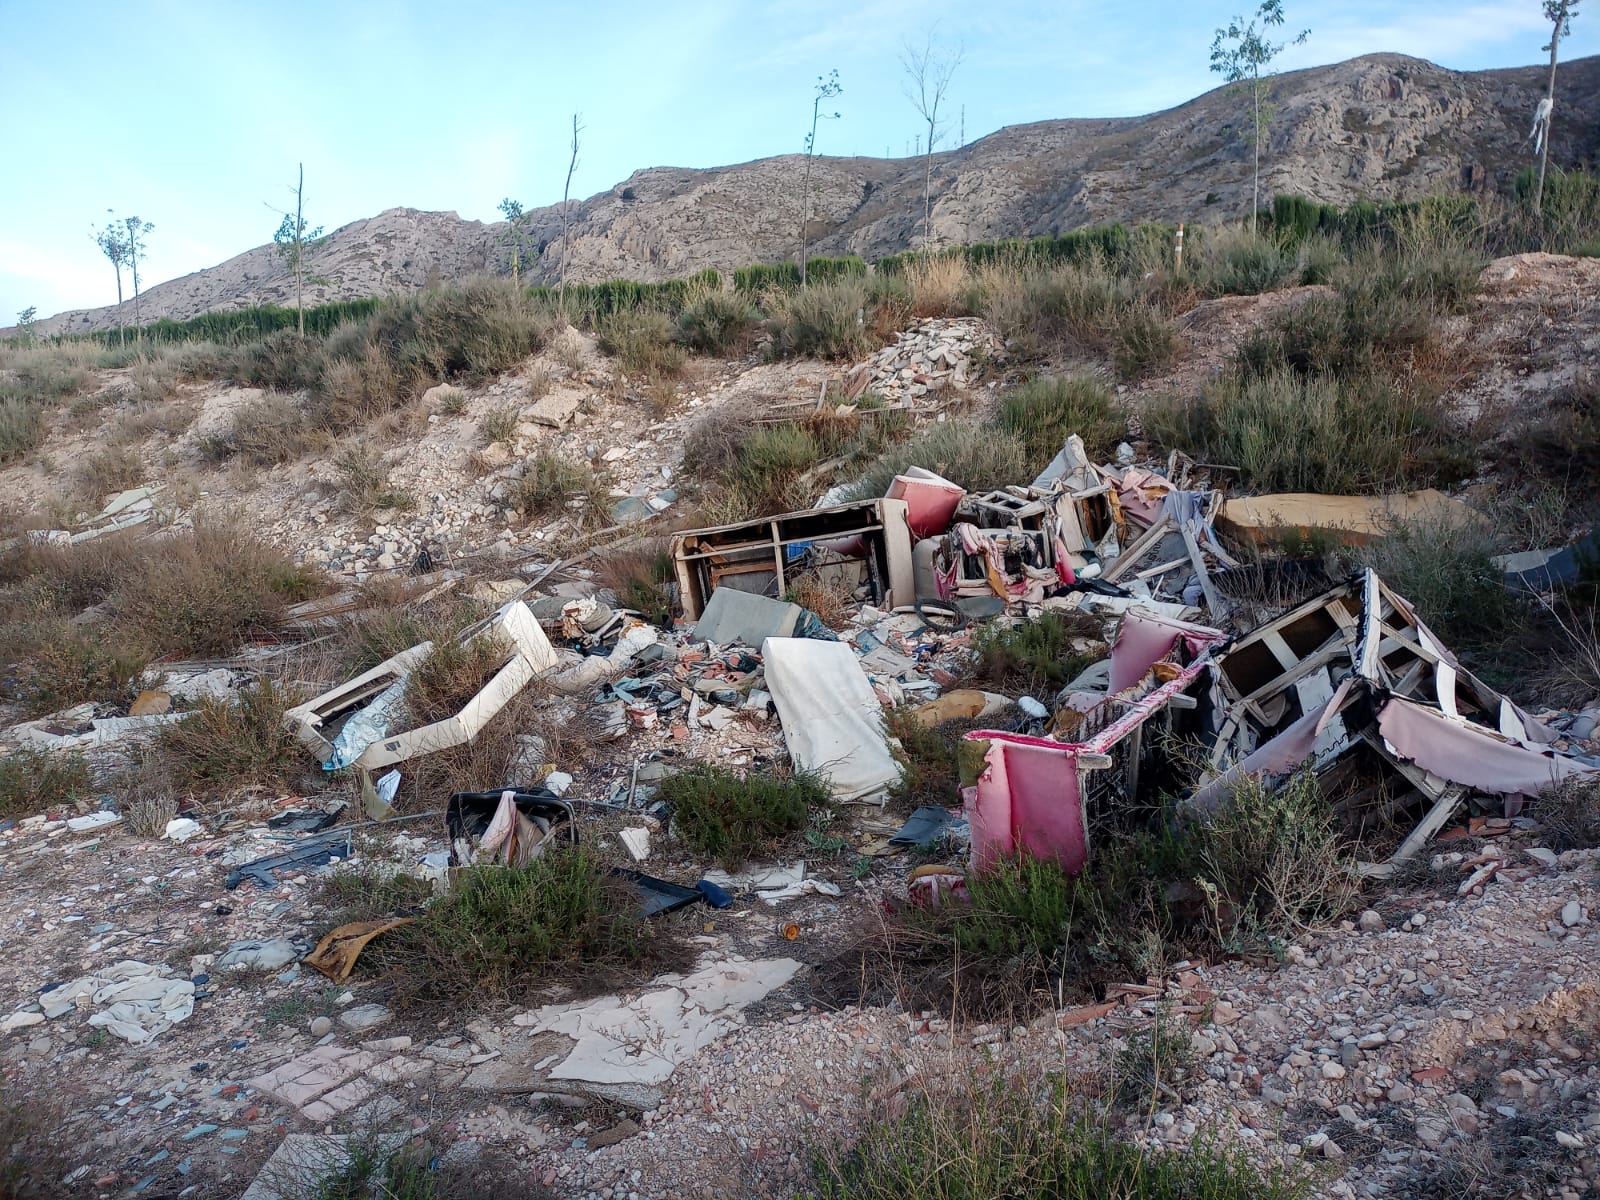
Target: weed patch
column 1036, row 657
column 1293, row 433
column 724, row 815
column 31, row 781
column 821, row 320
column 501, row 929
column 998, row 1136
column 1043, row 412
column 977, row 457
column 231, row 744
column 551, row 482
column 717, row 323
column 642, row 341
column 642, row 580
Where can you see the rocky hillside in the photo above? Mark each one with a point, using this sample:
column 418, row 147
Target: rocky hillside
column 1380, row 126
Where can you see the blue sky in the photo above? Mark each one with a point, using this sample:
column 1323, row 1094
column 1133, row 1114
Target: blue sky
column 193, row 114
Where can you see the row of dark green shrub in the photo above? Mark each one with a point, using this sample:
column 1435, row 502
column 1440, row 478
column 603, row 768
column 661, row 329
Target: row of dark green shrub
column 595, row 300
column 1112, row 242
column 247, row 324
column 786, row 275
column 1293, row 218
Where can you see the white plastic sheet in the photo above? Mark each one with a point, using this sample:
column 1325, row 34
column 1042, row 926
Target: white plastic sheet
column 832, row 721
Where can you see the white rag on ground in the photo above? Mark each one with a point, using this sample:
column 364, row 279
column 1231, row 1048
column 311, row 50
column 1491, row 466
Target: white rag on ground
column 832, row 721
column 136, row 1001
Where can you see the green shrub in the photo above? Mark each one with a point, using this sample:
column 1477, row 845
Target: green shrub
column 717, row 323
column 1144, row 340
column 551, row 480
column 283, row 361
column 499, row 425
column 31, row 781
column 977, row 457
column 719, row 813
column 1036, row 656
column 1318, row 260
column 822, row 320
column 642, row 579
column 63, row 665
column 271, row 431
column 21, row 426
column 204, row 593
column 992, row 1134
column 1445, row 569
column 1237, row 262
column 1569, row 815
column 641, row 340
column 229, row 743
column 502, row 932
column 1045, row 410
column 1293, row 433
column 1269, row 862
column 1077, row 305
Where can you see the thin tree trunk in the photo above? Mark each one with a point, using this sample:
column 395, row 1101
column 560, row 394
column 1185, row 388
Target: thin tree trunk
column 927, row 190
column 299, row 252
column 133, row 267
column 1549, row 125
column 572, row 165
column 122, row 327
column 1255, row 186
column 805, row 205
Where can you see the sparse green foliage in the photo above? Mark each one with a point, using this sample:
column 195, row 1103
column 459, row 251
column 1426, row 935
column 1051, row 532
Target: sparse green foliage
column 641, row 339
column 295, row 238
column 821, row 320
column 1243, row 53
column 27, row 321
column 732, row 817
column 31, row 780
column 500, row 931
column 716, row 323
column 1043, row 412
column 1037, row 657
column 987, row 1135
column 234, row 743
column 552, row 481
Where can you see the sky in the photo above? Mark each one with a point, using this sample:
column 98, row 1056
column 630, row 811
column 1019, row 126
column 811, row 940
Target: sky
column 193, row 114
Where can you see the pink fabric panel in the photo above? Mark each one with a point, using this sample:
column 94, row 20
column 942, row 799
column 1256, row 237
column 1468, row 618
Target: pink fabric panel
column 929, row 505
column 1462, row 754
column 1145, row 639
column 1142, row 494
column 1027, row 799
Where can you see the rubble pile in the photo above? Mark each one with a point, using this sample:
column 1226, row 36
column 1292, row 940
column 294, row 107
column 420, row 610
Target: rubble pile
column 932, row 356
column 1194, row 682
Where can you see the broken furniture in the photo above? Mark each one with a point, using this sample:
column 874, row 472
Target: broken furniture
column 1033, row 795
column 1355, row 670
column 374, row 697
column 763, row 556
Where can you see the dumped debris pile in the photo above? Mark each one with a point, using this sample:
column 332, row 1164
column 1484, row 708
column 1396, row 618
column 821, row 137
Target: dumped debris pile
column 925, row 360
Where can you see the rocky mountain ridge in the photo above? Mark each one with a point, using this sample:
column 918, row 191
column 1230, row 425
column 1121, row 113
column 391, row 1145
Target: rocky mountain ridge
column 1381, row 126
